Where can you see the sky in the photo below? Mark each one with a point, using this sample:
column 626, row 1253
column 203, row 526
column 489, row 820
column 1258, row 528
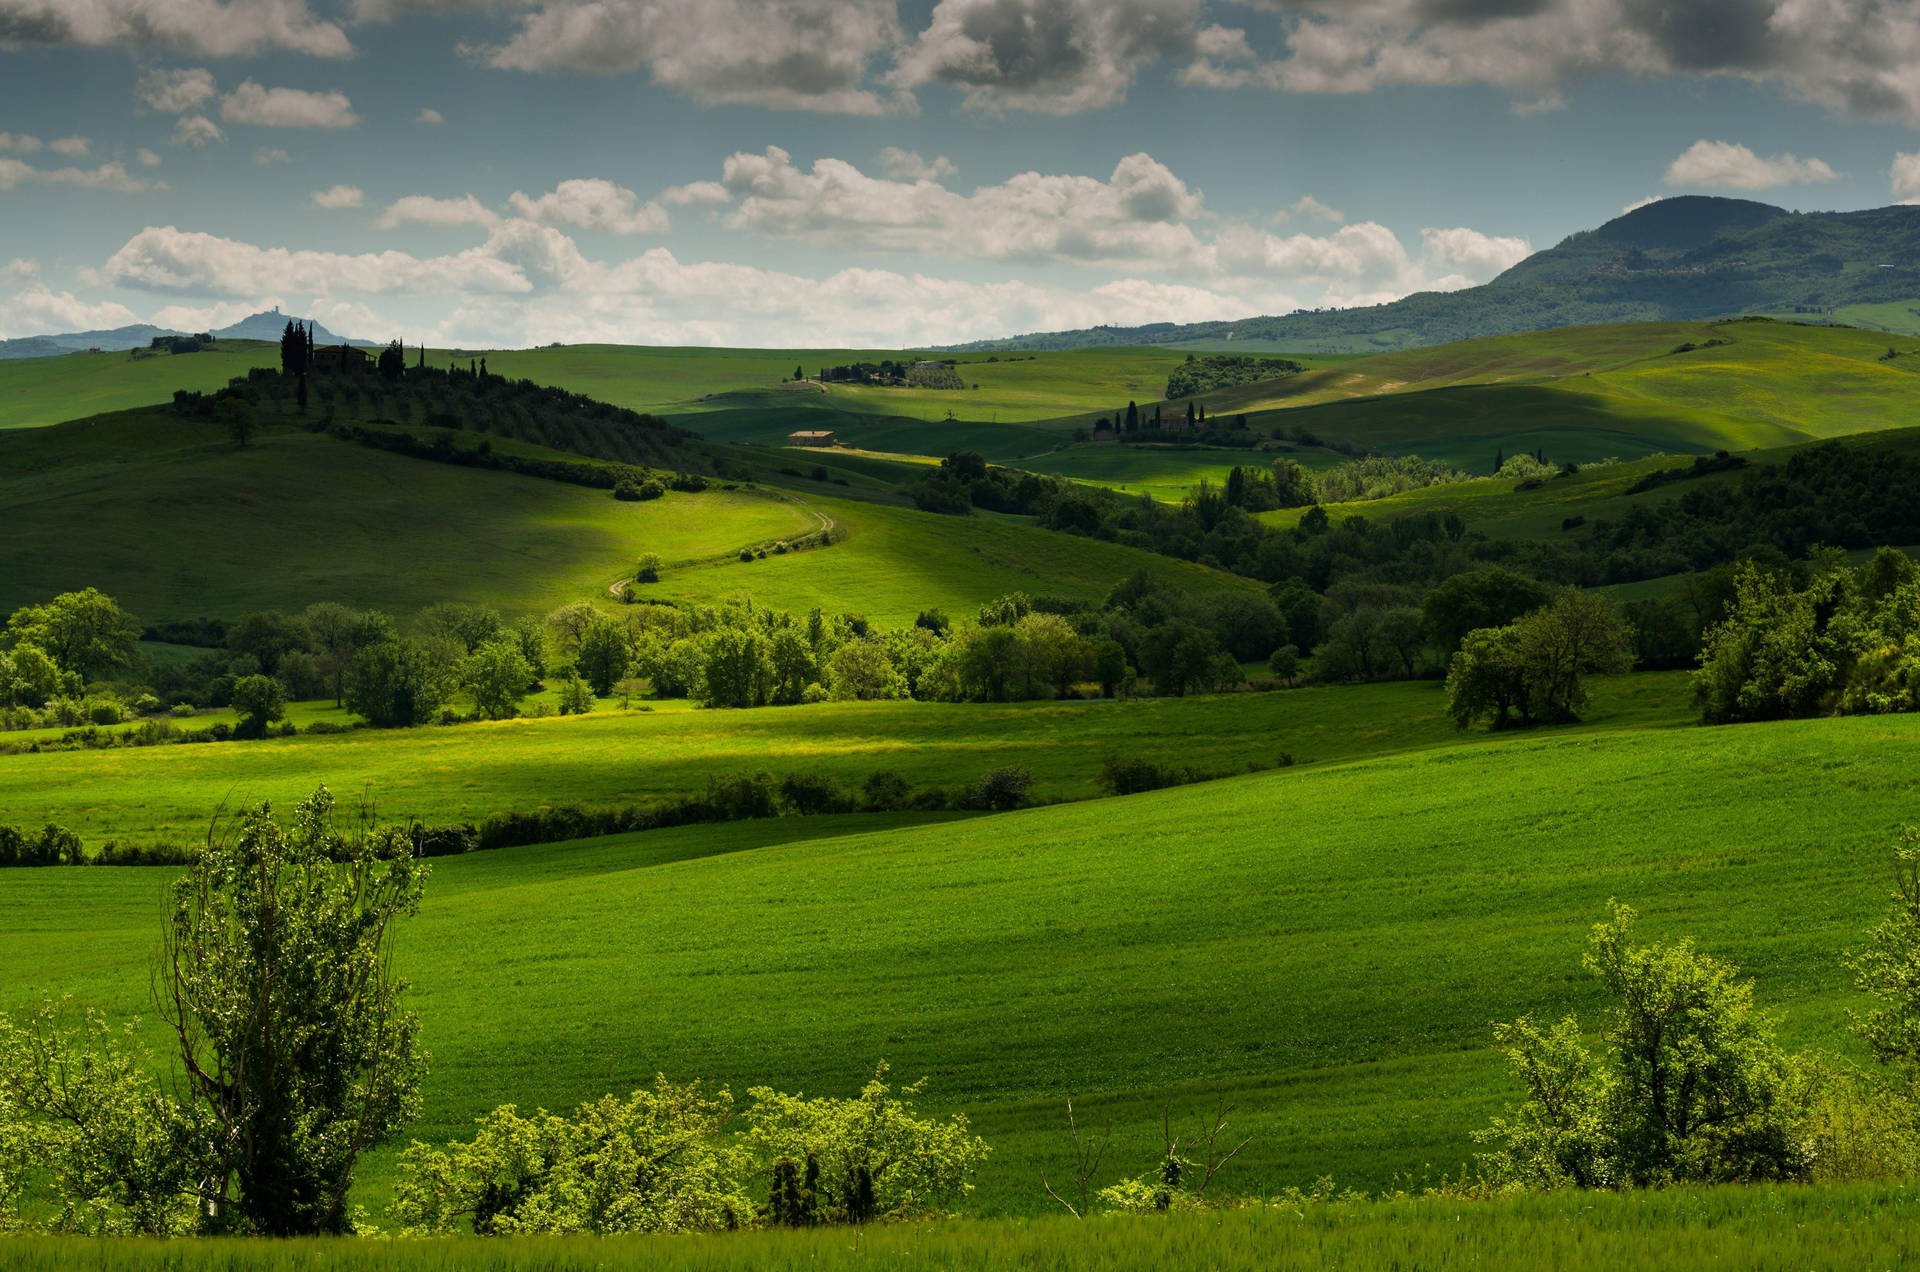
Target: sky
column 887, row 173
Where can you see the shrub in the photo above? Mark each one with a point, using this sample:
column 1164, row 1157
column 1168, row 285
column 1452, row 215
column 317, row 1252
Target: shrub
column 809, row 794
column 885, row 791
column 1003, row 788
column 742, row 798
column 443, row 841
column 1132, row 776
column 649, row 569
column 182, row 710
column 103, row 711
column 746, row 554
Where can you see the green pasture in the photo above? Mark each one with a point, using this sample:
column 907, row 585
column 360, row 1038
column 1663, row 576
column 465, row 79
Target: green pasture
column 173, row 520
column 1769, row 1228
column 35, row 391
column 1325, row 947
column 463, row 772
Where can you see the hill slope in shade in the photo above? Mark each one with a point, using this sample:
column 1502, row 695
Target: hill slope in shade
column 1682, row 258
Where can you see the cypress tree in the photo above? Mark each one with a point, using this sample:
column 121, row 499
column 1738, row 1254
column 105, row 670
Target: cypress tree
column 1499, row 459
column 1189, row 414
column 1133, row 418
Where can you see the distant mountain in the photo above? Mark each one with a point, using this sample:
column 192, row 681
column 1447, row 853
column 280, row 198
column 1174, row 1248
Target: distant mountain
column 266, row 325
column 1678, row 259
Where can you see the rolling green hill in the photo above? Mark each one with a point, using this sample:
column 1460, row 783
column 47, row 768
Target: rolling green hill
column 37, row 391
column 1325, row 947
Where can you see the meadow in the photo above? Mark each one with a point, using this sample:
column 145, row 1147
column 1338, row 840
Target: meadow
column 1325, row 947
column 1765, row 1229
column 464, row 772
column 40, row 391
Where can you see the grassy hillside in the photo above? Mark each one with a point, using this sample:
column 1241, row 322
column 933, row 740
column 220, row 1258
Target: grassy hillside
column 1326, row 947
column 170, row 517
column 466, row 772
column 35, row 391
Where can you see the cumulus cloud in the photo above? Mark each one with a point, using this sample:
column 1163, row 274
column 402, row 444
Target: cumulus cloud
column 907, row 165
column 175, row 92
column 265, row 155
column 37, row 310
column 695, row 193
column 166, row 259
column 196, row 131
column 71, row 147
column 428, row 115
column 1472, row 254
column 1637, row 204
column 19, row 270
column 1905, row 175
column 1720, row 165
column 339, row 197
column 1138, row 214
column 146, row 158
column 1054, row 56
column 286, row 108
column 19, row 143
column 591, row 203
column 786, row 54
column 208, row 317
column 422, row 209
column 1308, row 206
column 112, row 177
column 195, row 28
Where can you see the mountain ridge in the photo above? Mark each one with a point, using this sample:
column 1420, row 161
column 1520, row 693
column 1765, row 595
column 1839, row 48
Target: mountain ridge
column 265, row 325
column 1686, row 258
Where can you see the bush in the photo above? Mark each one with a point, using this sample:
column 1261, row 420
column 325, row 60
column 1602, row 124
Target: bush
column 443, row 841
column 742, row 798
column 103, row 711
column 182, row 710
column 1132, row 776
column 809, row 794
column 885, row 791
column 1003, row 788
column 649, row 569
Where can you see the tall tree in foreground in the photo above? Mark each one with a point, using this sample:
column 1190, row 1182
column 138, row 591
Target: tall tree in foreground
column 277, row 982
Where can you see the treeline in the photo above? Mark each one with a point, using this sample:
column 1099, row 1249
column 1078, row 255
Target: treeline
column 915, row 373
column 1201, row 374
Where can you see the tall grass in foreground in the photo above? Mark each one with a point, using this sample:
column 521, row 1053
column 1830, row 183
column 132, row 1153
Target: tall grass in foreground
column 1746, row 1228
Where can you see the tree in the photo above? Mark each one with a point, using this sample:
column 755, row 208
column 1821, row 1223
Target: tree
column 393, row 361
column 1535, row 666
column 334, row 633
column 1133, row 417
column 570, row 623
column 1692, row 1087
column 236, row 413
column 737, row 669
column 1780, row 653
column 603, row 656
column 1889, row 968
column 268, row 636
column 1179, row 656
column 1486, row 679
column 1110, row 666
column 396, row 684
column 276, row 980
column 259, row 701
column 1490, row 597
column 1284, row 663
column 27, row 677
column 497, row 676
column 860, row 670
column 83, row 632
column 1050, row 655
column 467, row 626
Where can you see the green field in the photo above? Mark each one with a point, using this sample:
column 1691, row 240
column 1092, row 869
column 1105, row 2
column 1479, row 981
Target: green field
column 465, row 772
column 1677, row 1228
column 35, row 391
column 1326, row 946
column 173, row 520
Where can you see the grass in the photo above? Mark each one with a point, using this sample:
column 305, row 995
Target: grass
column 1324, row 946
column 1771, row 1228
column 38, row 391
column 170, row 518
column 467, row 771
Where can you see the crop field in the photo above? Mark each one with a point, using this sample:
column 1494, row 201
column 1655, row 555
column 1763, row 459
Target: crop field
column 38, row 391
column 1763, row 1228
column 1326, row 947
column 465, row 772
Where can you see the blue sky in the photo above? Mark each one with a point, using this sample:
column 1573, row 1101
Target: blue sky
column 884, row 172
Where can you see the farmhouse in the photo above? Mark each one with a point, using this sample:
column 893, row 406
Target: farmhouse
column 812, row 437
column 342, row 358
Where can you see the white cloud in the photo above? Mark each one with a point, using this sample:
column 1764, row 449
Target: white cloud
column 421, row 209
column 1470, row 253
column 286, row 108
column 907, row 165
column 147, row 158
column 38, row 310
column 785, row 54
column 591, row 203
column 196, row 28
column 209, row 317
column 1637, row 204
column 265, row 155
column 166, row 259
column 1054, row 56
column 1720, row 165
column 71, row 147
column 196, row 131
column 695, row 193
column 1905, row 175
column 336, row 198
column 19, row 270
column 1307, row 205
column 175, row 92
column 19, row 143
column 428, row 115
column 108, row 176
column 1137, row 215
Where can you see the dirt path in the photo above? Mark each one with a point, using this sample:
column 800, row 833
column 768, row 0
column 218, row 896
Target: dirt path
column 825, row 528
